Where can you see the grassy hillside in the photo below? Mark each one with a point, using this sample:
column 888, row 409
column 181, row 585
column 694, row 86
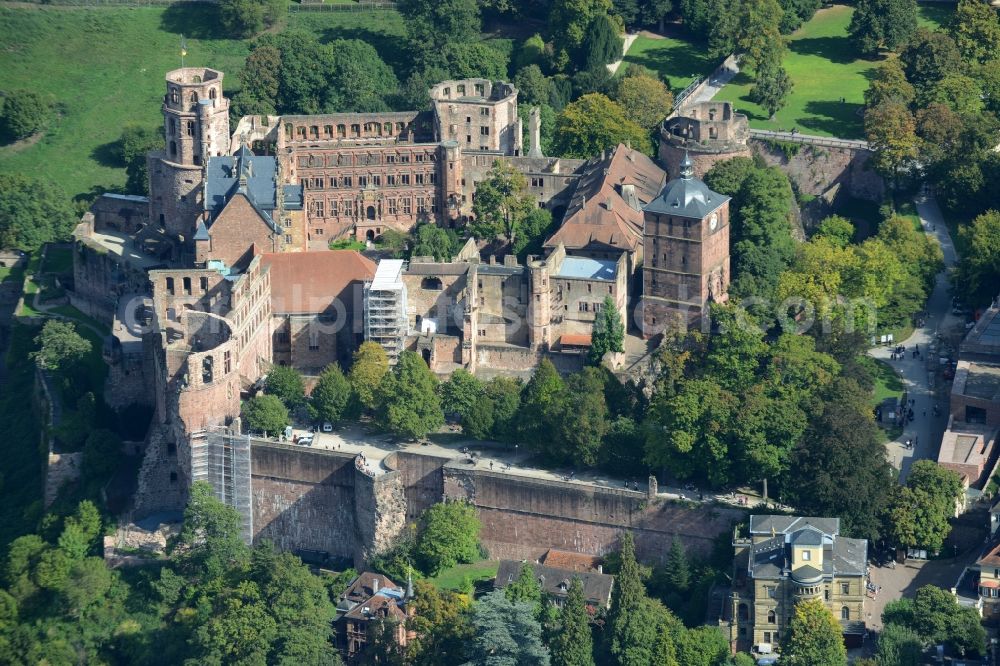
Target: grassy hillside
column 104, row 68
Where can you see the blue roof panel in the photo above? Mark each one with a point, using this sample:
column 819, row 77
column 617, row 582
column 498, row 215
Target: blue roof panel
column 587, row 269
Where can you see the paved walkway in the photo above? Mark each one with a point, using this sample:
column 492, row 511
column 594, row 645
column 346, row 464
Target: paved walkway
column 917, row 374
column 812, row 139
column 629, row 38
column 716, row 82
column 491, row 456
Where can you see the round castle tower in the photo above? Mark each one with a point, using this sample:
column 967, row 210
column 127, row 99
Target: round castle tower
column 196, row 127
column 708, row 132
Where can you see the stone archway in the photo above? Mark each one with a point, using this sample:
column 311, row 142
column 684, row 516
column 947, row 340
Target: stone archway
column 370, row 235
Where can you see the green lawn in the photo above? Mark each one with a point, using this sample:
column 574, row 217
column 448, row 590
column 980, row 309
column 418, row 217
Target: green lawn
column 455, row 577
column 887, row 381
column 933, row 15
column 680, row 61
column 103, row 68
column 824, row 68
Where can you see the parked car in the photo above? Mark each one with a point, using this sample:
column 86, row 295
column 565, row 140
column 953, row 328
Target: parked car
column 305, row 440
column 327, row 426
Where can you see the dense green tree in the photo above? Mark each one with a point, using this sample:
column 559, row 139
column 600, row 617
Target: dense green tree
column 889, row 84
column 736, row 353
column 23, row 113
column 102, row 452
column 382, row 648
column 574, row 643
column 330, row 397
column 505, row 634
column 608, row 332
column 136, row 141
column 537, row 227
column 959, row 92
column 32, row 212
column 210, row 540
column 246, row 18
column 939, row 131
column 928, row 58
column 702, row 646
column 878, row 24
column 677, row 571
column 978, row 273
column 645, row 99
column 772, row 85
column 938, row 618
column 259, row 82
column 842, row 436
column 532, row 85
column 433, row 24
column 836, row 229
column 441, row 621
column 898, row 646
column 569, row 21
column 475, row 59
column 891, row 133
column 370, row 365
column 525, row 589
column 302, row 76
column 580, row 416
column 756, row 35
column 690, row 434
column 357, row 79
column 532, row 52
column 502, row 204
column 408, row 402
column 285, row 382
column 448, row 535
column 814, row 637
column 460, row 393
column 239, row 631
column 266, row 414
column 796, row 12
column 433, row 241
column 921, row 511
column 976, row 30
column 504, row 396
column 594, row 123
column 542, row 393
column 603, row 43
column 60, row 347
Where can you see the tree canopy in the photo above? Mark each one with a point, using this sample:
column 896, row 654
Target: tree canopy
column 407, row 398
column 594, row 123
column 32, row 212
column 265, row 413
column 815, row 637
column 448, row 535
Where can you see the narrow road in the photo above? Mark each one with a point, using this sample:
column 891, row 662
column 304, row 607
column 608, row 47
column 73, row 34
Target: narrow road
column 916, row 373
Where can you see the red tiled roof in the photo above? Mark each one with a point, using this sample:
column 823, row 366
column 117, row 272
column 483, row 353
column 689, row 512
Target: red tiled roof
column 986, row 582
column 575, row 340
column 310, row 282
column 597, row 213
column 562, row 559
column 992, row 557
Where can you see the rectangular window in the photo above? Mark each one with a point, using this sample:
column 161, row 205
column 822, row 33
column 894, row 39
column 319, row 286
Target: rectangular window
column 313, row 343
column 485, row 111
column 484, row 131
column 362, row 181
column 806, row 556
column 845, row 588
column 390, row 179
column 376, row 180
column 434, row 205
column 227, row 362
column 203, row 284
column 187, row 286
column 407, row 206
column 598, row 307
column 390, row 158
column 584, row 307
column 419, row 178
column 348, row 181
column 433, row 177
column 319, row 209
column 319, row 232
column 404, row 158
column 405, row 178
column 288, row 238
column 170, row 286
column 770, row 590
column 537, row 182
column 392, row 207
column 420, row 205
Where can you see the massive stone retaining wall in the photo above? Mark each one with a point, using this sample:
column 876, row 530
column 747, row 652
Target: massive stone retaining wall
column 817, row 169
column 523, row 517
column 321, row 500
column 304, row 498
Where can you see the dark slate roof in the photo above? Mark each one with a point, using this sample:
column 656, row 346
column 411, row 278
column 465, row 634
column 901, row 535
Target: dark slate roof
column 808, row 536
column 555, row 582
column 292, row 196
column 782, row 524
column 201, row 233
column 224, row 176
column 770, row 558
column 686, row 196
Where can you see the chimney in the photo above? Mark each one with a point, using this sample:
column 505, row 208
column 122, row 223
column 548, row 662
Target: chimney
column 600, row 568
column 608, row 204
column 375, row 586
column 535, row 131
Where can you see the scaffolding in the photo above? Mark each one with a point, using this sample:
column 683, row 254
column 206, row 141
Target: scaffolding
column 385, row 308
column 222, row 458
